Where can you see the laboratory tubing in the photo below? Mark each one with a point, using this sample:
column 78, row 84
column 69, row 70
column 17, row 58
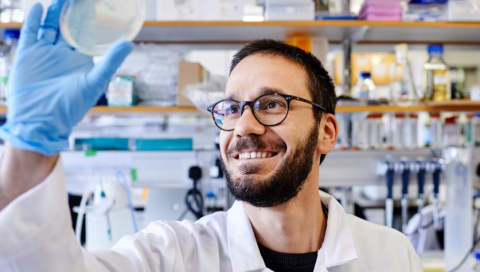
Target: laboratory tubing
column 451, row 132
column 437, row 75
column 458, row 206
column 436, row 133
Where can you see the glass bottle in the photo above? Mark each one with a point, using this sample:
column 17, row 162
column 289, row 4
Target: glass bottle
column 437, row 75
column 365, row 88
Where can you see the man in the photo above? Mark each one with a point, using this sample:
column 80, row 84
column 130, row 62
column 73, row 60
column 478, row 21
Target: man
column 277, row 124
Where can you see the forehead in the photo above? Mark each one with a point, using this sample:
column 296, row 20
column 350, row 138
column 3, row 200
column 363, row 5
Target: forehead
column 257, row 73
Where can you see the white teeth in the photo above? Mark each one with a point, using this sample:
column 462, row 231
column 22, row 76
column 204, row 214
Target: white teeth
column 253, row 155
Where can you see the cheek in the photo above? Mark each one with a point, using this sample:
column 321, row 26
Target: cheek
column 224, row 139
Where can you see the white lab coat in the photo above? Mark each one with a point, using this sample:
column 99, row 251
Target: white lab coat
column 36, row 235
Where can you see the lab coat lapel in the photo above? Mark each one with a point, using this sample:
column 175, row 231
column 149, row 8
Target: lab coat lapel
column 244, row 252
column 338, row 246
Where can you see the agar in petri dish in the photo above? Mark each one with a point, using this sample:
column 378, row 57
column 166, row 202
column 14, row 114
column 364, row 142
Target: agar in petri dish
column 91, row 26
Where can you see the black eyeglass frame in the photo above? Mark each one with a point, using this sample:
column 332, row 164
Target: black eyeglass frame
column 250, row 104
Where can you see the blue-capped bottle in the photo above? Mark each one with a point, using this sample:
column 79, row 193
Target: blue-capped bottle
column 365, row 88
column 437, row 75
column 10, row 38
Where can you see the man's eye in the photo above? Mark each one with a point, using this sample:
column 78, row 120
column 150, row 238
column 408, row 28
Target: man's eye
column 233, row 110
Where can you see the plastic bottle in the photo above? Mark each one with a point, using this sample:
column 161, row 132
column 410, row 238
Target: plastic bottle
column 364, row 91
column 451, row 132
column 402, row 87
column 435, row 131
column 437, row 75
column 399, row 131
column 10, row 38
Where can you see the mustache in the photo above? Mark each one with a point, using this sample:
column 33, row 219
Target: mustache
column 255, row 142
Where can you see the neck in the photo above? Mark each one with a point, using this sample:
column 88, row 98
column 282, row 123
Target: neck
column 297, row 226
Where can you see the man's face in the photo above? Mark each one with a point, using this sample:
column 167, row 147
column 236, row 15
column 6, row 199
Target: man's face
column 287, row 151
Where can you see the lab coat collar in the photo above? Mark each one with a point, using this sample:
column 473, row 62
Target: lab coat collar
column 338, row 247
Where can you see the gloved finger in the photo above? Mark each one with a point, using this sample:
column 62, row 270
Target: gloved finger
column 28, row 35
column 101, row 74
column 50, row 28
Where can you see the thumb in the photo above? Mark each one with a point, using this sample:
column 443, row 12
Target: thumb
column 101, row 74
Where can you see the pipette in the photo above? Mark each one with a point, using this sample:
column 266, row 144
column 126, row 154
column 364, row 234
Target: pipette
column 405, row 182
column 437, row 169
column 390, row 174
column 421, row 183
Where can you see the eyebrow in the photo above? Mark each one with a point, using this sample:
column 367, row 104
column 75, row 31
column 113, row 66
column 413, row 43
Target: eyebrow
column 261, row 91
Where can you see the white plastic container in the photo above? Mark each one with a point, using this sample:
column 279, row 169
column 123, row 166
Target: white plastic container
column 289, row 10
column 463, row 10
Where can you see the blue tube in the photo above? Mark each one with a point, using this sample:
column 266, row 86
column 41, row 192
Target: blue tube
column 129, row 196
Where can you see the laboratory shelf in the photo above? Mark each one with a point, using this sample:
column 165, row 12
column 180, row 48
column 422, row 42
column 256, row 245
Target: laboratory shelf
column 450, row 106
column 334, row 30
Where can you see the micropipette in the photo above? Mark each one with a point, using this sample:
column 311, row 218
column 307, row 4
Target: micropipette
column 390, row 174
column 405, row 183
column 436, row 187
column 421, row 184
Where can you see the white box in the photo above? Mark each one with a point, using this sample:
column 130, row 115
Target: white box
column 286, row 10
column 463, row 10
column 224, row 10
column 180, row 10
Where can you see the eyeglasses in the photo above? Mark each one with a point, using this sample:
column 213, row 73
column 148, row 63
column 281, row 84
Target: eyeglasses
column 268, row 109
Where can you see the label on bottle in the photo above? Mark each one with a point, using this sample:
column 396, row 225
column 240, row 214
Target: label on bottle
column 439, row 79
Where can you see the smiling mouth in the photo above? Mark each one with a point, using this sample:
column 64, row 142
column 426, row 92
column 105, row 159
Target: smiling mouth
column 248, row 155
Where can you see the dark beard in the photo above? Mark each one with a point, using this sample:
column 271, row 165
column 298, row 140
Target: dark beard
column 284, row 185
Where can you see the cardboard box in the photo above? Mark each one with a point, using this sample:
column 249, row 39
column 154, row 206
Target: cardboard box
column 189, row 73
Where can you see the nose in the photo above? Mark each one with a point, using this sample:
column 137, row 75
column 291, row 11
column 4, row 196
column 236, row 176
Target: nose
column 248, row 124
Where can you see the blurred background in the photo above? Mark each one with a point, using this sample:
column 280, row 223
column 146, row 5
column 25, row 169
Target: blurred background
column 408, row 83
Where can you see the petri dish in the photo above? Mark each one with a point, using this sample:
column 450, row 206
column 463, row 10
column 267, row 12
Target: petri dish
column 91, row 26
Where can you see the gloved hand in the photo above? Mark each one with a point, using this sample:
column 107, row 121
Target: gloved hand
column 52, row 86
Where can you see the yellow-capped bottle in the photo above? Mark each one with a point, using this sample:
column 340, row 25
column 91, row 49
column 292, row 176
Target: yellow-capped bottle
column 437, row 75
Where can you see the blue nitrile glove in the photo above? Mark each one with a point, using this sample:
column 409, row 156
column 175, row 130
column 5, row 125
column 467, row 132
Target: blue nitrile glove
column 52, row 86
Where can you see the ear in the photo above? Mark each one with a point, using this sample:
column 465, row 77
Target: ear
column 328, row 134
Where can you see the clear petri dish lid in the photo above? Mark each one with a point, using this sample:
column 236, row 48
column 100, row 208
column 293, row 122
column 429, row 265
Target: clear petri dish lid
column 91, row 26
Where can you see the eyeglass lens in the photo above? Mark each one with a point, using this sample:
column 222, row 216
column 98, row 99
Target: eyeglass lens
column 269, row 110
